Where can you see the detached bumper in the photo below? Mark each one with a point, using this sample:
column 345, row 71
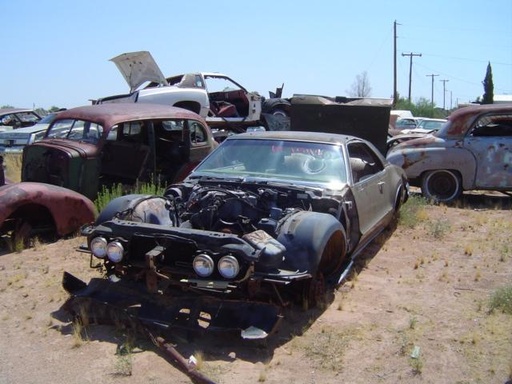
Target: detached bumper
column 113, row 302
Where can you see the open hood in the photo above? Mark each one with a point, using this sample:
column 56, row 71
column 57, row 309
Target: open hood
column 138, row 68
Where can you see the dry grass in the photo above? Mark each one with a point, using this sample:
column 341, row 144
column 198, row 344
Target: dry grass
column 438, row 285
column 12, row 167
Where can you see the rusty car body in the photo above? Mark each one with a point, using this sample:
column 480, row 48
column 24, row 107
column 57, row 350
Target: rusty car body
column 38, row 209
column 86, row 148
column 472, row 151
column 266, row 219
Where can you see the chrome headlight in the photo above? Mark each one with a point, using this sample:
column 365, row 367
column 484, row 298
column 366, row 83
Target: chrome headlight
column 99, row 247
column 203, row 265
column 115, row 251
column 228, row 267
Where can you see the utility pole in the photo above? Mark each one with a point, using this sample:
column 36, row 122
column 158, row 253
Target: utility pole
column 410, row 69
column 432, row 97
column 444, row 91
column 395, row 92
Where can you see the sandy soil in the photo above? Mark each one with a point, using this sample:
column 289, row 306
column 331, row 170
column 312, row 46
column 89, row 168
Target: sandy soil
column 421, row 292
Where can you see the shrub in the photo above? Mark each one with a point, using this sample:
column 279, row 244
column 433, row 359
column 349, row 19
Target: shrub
column 501, row 300
column 109, row 193
column 412, row 212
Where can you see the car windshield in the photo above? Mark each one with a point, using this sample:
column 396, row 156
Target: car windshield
column 276, row 160
column 47, row 119
column 431, row 124
column 76, row 130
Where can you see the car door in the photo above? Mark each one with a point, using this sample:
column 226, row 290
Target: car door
column 371, row 187
column 490, row 141
column 126, row 151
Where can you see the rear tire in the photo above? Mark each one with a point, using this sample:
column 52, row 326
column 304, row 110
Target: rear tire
column 314, row 292
column 442, row 186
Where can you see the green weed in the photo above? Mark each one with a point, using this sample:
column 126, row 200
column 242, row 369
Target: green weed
column 501, row 300
column 109, row 193
column 412, row 212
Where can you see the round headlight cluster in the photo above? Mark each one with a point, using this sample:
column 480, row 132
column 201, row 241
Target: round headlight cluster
column 228, row 267
column 100, row 248
column 115, row 251
column 204, row 266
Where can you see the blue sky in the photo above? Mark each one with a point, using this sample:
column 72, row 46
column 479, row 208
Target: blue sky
column 56, row 53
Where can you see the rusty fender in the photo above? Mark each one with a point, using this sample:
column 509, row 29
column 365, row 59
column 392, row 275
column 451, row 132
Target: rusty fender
column 69, row 209
column 110, row 302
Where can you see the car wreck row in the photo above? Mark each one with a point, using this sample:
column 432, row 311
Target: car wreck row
column 262, row 221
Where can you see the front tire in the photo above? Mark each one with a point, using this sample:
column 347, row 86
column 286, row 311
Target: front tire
column 441, row 186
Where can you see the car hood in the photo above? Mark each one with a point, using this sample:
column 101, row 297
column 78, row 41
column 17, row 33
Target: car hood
column 74, row 148
column 420, row 142
column 249, row 183
column 17, row 134
column 138, row 68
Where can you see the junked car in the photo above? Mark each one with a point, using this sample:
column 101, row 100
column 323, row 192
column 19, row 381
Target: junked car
column 266, row 219
column 426, row 125
column 14, row 118
column 86, row 148
column 222, row 101
column 472, row 151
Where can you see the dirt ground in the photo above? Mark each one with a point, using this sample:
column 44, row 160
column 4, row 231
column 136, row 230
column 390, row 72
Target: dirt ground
column 415, row 310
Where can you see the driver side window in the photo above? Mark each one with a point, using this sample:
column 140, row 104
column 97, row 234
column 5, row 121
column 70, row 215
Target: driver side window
column 363, row 161
column 497, row 125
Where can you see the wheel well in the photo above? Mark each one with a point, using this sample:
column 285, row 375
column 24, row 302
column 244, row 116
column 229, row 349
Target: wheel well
column 190, row 105
column 37, row 215
column 454, row 171
column 331, row 259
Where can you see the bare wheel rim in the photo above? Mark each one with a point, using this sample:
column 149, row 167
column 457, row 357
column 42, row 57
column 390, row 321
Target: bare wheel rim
column 442, row 185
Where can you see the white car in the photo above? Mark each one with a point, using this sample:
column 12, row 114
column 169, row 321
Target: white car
column 214, row 96
column 15, row 118
column 426, row 125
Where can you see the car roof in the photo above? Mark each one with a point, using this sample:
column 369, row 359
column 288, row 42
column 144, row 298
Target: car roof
column 478, row 109
column 5, row 111
column 431, row 119
column 461, row 117
column 115, row 113
column 324, row 137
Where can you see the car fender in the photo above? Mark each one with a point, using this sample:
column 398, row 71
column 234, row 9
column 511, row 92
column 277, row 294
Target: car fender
column 305, row 235
column 417, row 160
column 192, row 99
column 68, row 209
column 137, row 207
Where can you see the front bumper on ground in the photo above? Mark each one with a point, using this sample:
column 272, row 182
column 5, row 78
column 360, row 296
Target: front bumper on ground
column 110, row 302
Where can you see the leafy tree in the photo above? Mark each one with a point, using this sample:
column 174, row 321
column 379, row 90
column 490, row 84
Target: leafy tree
column 488, row 97
column 422, row 108
column 361, row 86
